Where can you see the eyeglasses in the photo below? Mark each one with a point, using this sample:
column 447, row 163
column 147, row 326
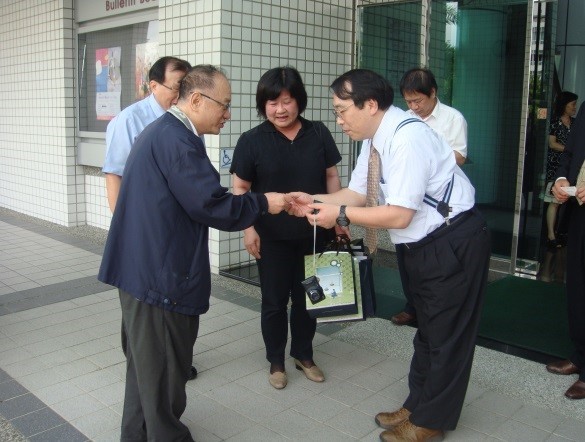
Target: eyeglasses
column 337, row 113
column 226, row 107
column 415, row 102
column 170, row 88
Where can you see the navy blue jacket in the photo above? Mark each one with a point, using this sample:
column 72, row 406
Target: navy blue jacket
column 157, row 247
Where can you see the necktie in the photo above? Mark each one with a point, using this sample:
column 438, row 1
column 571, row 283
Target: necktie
column 371, row 240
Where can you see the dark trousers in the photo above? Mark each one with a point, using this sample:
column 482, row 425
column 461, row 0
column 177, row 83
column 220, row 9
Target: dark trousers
column 447, row 278
column 576, row 285
column 281, row 269
column 159, row 348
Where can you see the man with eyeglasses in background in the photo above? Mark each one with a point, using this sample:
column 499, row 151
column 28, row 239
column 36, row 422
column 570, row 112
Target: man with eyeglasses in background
column 164, row 78
column 419, row 89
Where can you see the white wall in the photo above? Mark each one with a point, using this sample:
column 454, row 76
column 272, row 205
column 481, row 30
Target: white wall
column 38, row 175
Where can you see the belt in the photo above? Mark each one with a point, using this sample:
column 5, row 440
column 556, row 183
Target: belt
column 441, row 230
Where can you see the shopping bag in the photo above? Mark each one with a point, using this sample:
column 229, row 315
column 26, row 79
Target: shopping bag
column 365, row 276
column 334, row 272
column 349, row 317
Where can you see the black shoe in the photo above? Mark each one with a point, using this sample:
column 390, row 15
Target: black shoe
column 192, row 373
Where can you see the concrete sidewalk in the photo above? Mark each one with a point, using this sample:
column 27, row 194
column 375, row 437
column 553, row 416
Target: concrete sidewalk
column 62, row 368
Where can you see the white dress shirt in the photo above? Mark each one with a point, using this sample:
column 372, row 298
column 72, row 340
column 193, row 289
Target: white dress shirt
column 450, row 124
column 415, row 161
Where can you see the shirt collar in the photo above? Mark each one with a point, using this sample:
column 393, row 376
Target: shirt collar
column 156, row 108
column 385, row 132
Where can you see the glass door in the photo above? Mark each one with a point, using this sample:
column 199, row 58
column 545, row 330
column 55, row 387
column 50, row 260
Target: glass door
column 478, row 53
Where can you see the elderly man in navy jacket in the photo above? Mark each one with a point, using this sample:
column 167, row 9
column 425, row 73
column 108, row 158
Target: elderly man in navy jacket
column 157, row 250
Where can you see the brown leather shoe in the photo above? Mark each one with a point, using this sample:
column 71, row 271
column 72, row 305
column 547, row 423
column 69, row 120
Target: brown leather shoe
column 563, row 367
column 403, row 318
column 390, row 420
column 407, row 431
column 313, row 373
column 577, row 391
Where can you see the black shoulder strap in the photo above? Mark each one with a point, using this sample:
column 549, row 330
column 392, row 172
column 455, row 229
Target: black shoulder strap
column 441, row 206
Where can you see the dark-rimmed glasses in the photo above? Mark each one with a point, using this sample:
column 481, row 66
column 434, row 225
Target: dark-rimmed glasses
column 226, row 107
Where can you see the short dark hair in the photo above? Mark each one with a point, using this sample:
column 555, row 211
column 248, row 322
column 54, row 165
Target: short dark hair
column 159, row 68
column 276, row 80
column 419, row 80
column 564, row 98
column 201, row 76
column 361, row 85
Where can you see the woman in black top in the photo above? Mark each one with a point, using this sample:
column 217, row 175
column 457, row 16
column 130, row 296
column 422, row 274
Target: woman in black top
column 560, row 127
column 285, row 153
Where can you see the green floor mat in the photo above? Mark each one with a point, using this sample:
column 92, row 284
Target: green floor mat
column 519, row 312
column 389, row 296
column 528, row 314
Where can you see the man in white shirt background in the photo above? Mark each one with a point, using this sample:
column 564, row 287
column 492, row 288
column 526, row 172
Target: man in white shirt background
column 419, row 89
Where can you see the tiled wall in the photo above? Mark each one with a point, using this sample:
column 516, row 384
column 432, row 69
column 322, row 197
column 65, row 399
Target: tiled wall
column 246, row 38
column 38, row 174
column 96, row 202
column 38, row 171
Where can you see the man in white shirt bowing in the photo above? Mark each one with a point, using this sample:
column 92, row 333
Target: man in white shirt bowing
column 428, row 206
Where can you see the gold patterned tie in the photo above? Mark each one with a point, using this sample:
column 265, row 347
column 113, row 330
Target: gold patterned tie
column 371, row 240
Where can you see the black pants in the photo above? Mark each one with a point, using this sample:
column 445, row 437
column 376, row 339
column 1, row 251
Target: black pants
column 447, row 277
column 281, row 269
column 576, row 285
column 159, row 348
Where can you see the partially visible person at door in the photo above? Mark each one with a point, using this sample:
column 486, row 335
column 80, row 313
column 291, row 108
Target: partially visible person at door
column 419, row 89
column 164, row 77
column 284, row 153
column 562, row 119
column 571, row 172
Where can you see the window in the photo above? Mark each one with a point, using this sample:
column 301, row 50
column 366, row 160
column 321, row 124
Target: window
column 113, row 71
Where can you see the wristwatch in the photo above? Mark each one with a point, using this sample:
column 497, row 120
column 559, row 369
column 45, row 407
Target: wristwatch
column 342, row 219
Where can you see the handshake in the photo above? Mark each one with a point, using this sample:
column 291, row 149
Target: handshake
column 303, row 205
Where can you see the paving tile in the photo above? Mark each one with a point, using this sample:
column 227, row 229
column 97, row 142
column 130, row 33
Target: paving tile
column 78, row 406
column 371, row 379
column 571, row 429
column 377, row 403
column 348, row 394
column 109, row 394
column 519, row 432
column 538, row 417
column 10, row 389
column 20, row 406
column 320, row 408
column 58, row 392
column 37, row 422
column 199, row 433
column 259, row 433
column 226, row 423
column 498, row 403
column 353, row 422
column 481, row 420
column 100, row 422
column 62, row 433
column 292, row 424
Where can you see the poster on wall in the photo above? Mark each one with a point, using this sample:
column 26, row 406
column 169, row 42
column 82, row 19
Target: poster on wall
column 146, row 55
column 108, row 82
